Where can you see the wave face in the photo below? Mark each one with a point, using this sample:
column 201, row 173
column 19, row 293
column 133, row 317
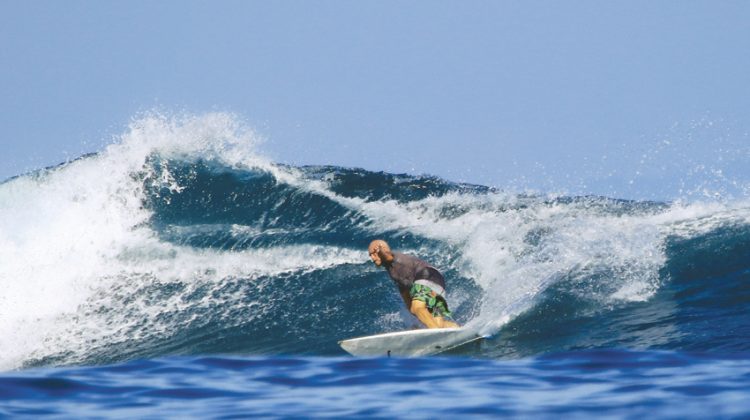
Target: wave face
column 180, row 239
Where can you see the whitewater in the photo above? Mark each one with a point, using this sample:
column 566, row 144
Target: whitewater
column 180, row 239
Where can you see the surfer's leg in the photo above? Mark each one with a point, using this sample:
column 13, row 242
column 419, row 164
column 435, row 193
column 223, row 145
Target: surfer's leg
column 422, row 304
column 443, row 315
column 434, row 304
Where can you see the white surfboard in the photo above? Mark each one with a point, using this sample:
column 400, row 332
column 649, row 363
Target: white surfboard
column 409, row 343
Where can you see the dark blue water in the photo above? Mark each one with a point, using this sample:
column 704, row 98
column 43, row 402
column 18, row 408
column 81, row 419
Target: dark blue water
column 613, row 383
column 191, row 278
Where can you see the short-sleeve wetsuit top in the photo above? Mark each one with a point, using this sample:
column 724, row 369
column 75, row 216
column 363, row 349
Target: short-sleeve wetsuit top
column 405, row 269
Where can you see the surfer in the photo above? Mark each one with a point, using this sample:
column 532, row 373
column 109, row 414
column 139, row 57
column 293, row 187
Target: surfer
column 421, row 286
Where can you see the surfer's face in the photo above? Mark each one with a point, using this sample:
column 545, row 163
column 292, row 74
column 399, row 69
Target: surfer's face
column 375, row 257
column 379, row 251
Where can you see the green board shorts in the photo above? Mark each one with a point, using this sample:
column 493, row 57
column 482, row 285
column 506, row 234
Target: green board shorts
column 435, row 303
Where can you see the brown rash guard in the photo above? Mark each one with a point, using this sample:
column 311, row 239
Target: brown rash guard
column 405, row 269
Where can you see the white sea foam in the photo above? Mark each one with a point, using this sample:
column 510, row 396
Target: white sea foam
column 515, row 248
column 70, row 232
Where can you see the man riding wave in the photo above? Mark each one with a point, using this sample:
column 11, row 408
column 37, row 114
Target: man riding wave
column 421, row 286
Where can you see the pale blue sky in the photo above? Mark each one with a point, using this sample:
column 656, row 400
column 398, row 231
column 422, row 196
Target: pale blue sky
column 628, row 98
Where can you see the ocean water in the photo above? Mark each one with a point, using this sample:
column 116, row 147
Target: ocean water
column 179, row 273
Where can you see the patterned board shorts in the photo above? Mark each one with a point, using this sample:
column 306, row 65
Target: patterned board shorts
column 435, row 303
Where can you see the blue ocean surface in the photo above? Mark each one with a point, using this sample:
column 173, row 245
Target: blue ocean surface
column 178, row 273
column 614, row 383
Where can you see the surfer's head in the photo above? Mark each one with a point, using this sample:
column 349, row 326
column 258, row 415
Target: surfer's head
column 380, row 252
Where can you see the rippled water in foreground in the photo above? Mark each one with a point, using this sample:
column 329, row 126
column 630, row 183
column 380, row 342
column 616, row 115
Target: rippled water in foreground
column 609, row 383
